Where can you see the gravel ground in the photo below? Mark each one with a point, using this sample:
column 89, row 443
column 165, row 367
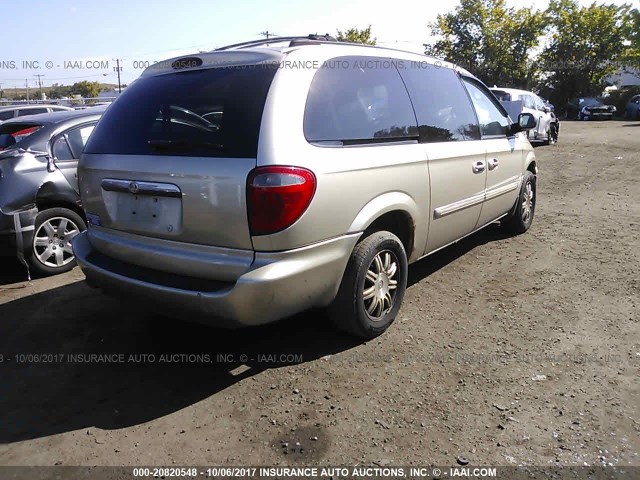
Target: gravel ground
column 507, row 351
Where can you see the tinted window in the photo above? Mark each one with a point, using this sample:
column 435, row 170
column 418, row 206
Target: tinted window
column 31, row 111
column 358, row 100
column 442, row 106
column 77, row 138
column 214, row 112
column 502, row 96
column 6, row 115
column 491, row 115
column 61, row 150
column 589, row 102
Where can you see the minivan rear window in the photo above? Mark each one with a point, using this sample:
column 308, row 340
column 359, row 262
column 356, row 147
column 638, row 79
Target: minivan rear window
column 212, row 113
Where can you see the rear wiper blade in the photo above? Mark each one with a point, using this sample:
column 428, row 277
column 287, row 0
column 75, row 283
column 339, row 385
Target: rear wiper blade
column 183, row 144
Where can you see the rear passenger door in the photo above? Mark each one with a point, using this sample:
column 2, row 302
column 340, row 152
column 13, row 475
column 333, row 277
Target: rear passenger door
column 66, row 149
column 456, row 157
column 503, row 154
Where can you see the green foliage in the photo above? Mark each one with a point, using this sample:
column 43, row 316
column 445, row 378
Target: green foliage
column 631, row 55
column 59, row 91
column 585, row 46
column 86, row 89
column 489, row 39
column 357, row 36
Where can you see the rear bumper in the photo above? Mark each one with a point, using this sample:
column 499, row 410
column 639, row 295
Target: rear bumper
column 276, row 285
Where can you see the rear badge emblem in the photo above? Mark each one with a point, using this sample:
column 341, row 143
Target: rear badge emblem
column 133, row 187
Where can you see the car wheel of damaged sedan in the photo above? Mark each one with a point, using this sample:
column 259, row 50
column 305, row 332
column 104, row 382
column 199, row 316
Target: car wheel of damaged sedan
column 51, row 251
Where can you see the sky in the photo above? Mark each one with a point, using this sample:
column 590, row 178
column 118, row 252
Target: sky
column 72, row 40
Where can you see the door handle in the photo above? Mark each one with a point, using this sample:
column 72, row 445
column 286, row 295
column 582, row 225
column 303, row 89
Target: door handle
column 478, row 166
column 493, row 163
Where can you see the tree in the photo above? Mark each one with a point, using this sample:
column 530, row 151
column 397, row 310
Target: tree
column 59, row 91
column 631, row 55
column 585, row 46
column 86, row 89
column 357, row 36
column 492, row 41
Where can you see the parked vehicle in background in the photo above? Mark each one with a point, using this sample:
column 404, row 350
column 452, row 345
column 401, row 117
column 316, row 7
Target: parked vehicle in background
column 40, row 210
column 13, row 111
column 548, row 104
column 632, row 110
column 244, row 190
column 516, row 101
column 589, row 108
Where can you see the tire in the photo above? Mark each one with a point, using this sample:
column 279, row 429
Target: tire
column 552, row 134
column 379, row 253
column 46, row 256
column 547, row 134
column 521, row 217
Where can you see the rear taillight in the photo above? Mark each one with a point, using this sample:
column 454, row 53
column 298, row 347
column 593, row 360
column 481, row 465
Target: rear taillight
column 277, row 197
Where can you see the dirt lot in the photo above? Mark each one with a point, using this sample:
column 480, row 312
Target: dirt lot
column 507, row 351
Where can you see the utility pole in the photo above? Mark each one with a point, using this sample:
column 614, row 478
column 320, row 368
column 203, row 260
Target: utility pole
column 26, row 83
column 118, row 69
column 268, row 34
column 40, row 83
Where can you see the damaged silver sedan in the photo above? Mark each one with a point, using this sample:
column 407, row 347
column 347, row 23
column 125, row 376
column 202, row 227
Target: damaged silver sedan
column 40, row 209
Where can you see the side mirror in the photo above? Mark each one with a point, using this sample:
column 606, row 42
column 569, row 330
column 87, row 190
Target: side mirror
column 526, row 121
column 546, row 109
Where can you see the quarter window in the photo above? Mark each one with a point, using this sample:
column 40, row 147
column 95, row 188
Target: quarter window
column 356, row 100
column 442, row 106
column 6, row 115
column 491, row 115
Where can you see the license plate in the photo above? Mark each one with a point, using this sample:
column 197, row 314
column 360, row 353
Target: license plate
column 147, row 214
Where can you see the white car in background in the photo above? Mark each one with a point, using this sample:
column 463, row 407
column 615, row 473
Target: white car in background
column 522, row 101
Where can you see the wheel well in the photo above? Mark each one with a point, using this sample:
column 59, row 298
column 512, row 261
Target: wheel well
column 533, row 168
column 397, row 222
column 46, row 204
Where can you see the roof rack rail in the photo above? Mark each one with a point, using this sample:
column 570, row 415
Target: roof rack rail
column 297, row 40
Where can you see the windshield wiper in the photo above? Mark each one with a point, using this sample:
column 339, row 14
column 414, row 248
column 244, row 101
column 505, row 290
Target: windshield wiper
column 176, row 145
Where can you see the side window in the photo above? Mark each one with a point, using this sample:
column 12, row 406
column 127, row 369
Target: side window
column 6, row 115
column 31, row 111
column 69, row 145
column 60, row 149
column 491, row 115
column 78, row 137
column 358, row 100
column 527, row 101
column 442, row 106
column 538, row 103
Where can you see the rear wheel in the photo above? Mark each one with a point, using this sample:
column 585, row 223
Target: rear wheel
column 51, row 251
column 372, row 287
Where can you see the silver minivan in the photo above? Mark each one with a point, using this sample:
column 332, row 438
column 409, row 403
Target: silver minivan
column 244, row 185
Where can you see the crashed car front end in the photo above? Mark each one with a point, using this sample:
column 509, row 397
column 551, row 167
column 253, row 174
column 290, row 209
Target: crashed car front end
column 21, row 174
column 605, row 112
